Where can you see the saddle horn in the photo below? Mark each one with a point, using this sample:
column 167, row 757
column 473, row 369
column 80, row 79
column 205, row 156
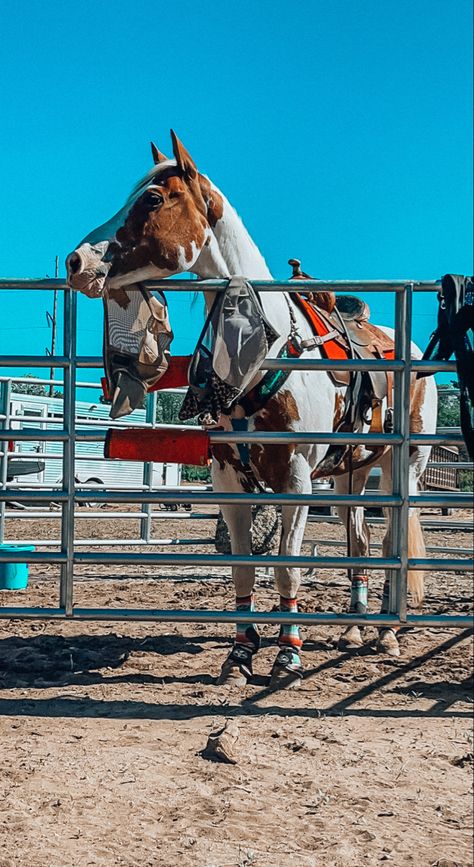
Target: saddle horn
column 298, row 274
column 324, row 300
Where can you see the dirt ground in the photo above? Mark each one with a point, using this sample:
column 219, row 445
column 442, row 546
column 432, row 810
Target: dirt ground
column 102, row 727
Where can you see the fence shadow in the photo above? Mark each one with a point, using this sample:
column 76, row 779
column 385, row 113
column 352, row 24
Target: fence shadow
column 447, row 693
column 54, row 661
column 87, row 708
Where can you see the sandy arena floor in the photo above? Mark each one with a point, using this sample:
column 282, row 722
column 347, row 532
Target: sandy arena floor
column 103, row 725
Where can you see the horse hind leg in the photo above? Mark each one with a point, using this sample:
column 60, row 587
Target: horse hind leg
column 359, row 536
column 387, row 640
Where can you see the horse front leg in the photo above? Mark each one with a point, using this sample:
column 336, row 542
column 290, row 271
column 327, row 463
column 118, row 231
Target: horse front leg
column 237, row 668
column 288, row 669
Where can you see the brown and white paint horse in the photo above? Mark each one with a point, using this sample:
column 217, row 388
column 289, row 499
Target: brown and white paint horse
column 176, row 220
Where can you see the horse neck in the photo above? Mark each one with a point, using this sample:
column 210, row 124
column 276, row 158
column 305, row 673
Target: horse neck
column 239, row 252
column 232, row 252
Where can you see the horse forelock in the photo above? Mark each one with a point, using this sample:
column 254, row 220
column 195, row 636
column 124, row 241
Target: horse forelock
column 154, row 174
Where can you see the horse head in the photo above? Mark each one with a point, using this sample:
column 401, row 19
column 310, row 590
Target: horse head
column 162, row 229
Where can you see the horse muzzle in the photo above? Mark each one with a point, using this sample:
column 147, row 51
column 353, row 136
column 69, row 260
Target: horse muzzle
column 89, row 285
column 86, row 269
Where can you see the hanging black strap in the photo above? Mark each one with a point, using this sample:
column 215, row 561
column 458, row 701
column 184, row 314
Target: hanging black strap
column 455, row 335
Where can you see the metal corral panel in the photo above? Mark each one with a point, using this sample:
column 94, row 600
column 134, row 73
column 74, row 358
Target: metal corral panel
column 398, row 560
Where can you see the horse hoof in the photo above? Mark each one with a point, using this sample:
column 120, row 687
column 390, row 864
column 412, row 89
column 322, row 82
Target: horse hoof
column 283, row 679
column 287, row 673
column 231, row 675
column 237, row 668
column 388, row 643
column 351, row 639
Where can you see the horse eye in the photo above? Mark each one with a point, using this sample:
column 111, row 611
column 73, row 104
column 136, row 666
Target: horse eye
column 154, row 199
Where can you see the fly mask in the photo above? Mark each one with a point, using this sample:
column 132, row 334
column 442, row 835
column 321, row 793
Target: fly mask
column 137, row 335
column 234, row 341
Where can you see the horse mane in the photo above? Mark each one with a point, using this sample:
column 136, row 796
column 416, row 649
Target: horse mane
column 147, row 179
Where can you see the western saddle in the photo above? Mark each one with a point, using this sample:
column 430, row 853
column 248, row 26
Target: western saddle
column 343, row 320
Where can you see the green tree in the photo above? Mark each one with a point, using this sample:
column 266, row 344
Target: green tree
column 168, row 405
column 448, row 406
column 190, row 473
column 449, row 415
column 33, row 387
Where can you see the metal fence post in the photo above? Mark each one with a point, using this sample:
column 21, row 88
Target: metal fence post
column 66, row 593
column 401, row 452
column 5, row 409
column 150, row 417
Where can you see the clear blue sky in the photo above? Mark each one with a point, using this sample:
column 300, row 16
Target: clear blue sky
column 341, row 131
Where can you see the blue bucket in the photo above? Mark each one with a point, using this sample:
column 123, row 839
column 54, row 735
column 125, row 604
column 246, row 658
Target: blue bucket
column 14, row 576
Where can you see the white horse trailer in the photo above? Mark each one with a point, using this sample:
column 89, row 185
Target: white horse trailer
column 46, row 413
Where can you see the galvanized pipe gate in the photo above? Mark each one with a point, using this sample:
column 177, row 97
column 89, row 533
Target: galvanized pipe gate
column 400, row 501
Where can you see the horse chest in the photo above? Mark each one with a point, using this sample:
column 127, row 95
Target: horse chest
column 286, row 411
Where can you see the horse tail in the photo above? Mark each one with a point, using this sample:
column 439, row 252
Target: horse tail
column 416, row 550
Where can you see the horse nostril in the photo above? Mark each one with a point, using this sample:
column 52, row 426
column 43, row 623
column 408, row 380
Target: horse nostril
column 74, row 263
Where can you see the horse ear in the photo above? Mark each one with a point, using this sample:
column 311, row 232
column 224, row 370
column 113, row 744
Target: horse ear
column 158, row 157
column 184, row 160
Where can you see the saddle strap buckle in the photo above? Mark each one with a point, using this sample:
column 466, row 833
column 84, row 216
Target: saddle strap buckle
column 319, row 340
